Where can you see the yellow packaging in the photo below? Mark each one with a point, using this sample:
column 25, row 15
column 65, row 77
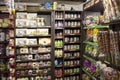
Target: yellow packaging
column 1, row 20
column 55, row 5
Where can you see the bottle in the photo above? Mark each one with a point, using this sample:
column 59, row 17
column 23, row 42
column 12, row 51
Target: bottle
column 71, row 15
column 58, row 43
column 78, row 16
column 69, row 23
column 66, row 23
column 66, row 15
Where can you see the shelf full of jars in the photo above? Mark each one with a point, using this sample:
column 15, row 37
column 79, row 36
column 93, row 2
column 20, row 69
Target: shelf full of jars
column 67, row 46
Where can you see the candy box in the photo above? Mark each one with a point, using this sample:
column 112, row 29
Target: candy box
column 21, row 22
column 21, row 41
column 21, row 32
column 21, row 15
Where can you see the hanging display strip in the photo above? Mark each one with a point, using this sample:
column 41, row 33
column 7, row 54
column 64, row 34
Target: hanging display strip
column 101, row 40
column 113, row 13
column 107, row 48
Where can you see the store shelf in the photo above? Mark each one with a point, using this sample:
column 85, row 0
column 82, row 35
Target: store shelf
column 65, row 34
column 71, row 58
column 59, row 10
column 72, row 27
column 45, row 67
column 59, row 19
column 39, row 53
column 44, row 52
column 4, row 42
column 91, row 43
column 59, row 28
column 5, row 57
column 58, row 37
column 41, row 27
column 72, row 74
column 45, row 11
column 72, row 34
column 71, row 50
column 71, row 66
column 72, row 43
column 12, row 37
column 33, row 36
column 58, row 76
column 33, row 46
column 95, row 7
column 33, row 75
column 25, row 61
column 72, row 19
column 6, row 27
column 107, row 63
column 58, row 66
column 72, row 11
column 58, row 57
column 95, row 26
column 5, row 72
column 93, row 78
column 58, row 47
column 90, row 59
column 112, row 22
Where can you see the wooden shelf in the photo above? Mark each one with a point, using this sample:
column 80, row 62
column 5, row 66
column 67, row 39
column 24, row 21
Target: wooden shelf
column 45, row 67
column 25, row 61
column 33, row 46
column 5, row 72
column 33, row 36
column 72, row 34
column 6, row 27
column 58, row 76
column 46, row 11
column 5, row 57
column 72, row 43
column 69, row 27
column 58, row 57
column 72, row 11
column 96, row 7
column 72, row 19
column 59, row 28
column 59, row 47
column 71, row 66
column 39, row 53
column 58, row 37
column 71, row 50
column 71, row 58
column 111, row 22
column 72, row 74
column 58, row 66
column 42, row 27
column 59, row 19
column 4, row 42
column 33, row 75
